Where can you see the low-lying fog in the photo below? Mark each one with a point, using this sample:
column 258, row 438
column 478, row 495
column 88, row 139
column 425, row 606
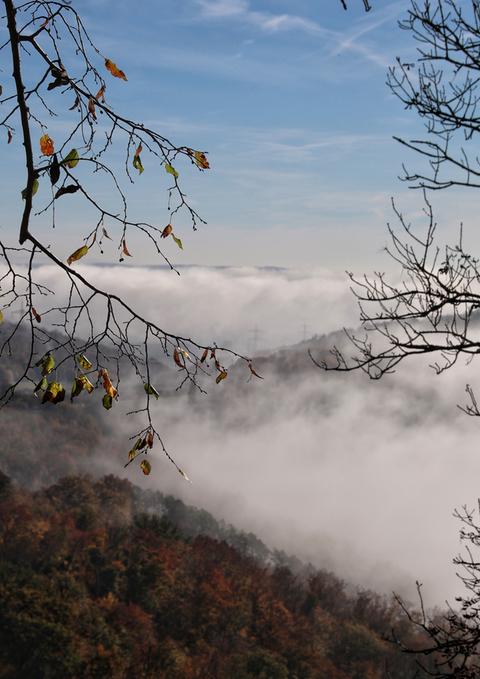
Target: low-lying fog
column 355, row 475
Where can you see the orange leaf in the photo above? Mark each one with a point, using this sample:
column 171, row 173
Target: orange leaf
column 167, row 230
column 125, row 249
column 46, row 145
column 107, row 383
column 201, row 160
column 114, row 70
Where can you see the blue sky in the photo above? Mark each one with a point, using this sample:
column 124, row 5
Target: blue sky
column 289, row 99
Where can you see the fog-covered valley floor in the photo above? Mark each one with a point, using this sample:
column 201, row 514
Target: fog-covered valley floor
column 355, row 475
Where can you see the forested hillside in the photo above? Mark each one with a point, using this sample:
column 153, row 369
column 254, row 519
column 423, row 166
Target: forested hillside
column 95, row 583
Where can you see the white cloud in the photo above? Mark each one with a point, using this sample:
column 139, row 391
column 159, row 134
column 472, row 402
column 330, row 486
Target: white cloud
column 263, row 20
column 336, row 42
column 223, row 8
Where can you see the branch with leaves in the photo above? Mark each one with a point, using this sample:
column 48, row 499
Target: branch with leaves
column 94, row 332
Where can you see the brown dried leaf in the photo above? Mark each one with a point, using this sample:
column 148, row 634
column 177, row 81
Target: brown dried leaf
column 167, row 231
column 146, row 467
column 100, row 96
column 70, row 188
column 125, row 249
column 179, row 358
column 91, row 108
column 36, row 315
column 76, row 103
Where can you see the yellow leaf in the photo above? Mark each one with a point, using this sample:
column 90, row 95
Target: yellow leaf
column 71, row 159
column 151, row 391
column 34, row 189
column 83, row 362
column 41, row 386
column 221, row 376
column 171, row 170
column 107, row 401
column 78, row 254
column 177, row 241
column 146, row 467
column 1, row 317
column 87, row 385
column 47, row 363
column 114, row 70
column 55, row 393
column 46, row 145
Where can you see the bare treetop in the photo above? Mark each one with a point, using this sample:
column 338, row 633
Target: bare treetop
column 442, row 87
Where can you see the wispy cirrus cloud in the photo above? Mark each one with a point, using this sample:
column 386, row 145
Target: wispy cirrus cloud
column 264, row 20
column 336, row 42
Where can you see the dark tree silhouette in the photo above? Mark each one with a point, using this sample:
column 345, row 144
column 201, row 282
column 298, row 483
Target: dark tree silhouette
column 452, row 639
column 366, row 4
column 433, row 310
